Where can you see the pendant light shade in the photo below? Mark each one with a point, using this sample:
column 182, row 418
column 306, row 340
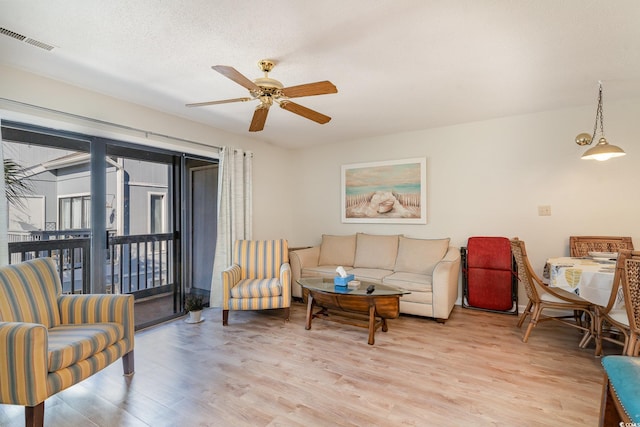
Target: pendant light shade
column 602, row 150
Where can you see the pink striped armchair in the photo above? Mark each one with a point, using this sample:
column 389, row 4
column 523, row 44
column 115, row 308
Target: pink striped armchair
column 50, row 341
column 259, row 279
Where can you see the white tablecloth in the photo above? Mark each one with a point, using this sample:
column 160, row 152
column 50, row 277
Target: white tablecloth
column 589, row 278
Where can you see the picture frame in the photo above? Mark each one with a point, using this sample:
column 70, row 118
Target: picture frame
column 392, row 191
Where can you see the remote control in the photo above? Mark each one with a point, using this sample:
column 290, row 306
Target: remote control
column 370, row 289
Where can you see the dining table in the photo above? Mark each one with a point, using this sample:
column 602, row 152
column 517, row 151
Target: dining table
column 589, row 277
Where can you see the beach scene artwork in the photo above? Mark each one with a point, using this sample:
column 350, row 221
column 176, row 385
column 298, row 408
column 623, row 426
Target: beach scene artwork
column 389, row 191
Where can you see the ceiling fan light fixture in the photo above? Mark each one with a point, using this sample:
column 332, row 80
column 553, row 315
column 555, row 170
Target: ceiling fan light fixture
column 602, row 150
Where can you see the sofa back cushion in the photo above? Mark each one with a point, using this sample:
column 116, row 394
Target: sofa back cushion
column 29, row 292
column 420, row 255
column 376, row 251
column 337, row 250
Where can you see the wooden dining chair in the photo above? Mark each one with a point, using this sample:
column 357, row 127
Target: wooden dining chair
column 631, row 289
column 542, row 297
column 580, row 246
column 612, row 321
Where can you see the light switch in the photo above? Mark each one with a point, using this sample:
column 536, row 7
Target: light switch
column 544, row 210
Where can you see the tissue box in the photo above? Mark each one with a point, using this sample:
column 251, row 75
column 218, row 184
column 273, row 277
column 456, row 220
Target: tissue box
column 342, row 281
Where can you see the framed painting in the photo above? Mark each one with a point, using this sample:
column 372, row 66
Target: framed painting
column 385, row 192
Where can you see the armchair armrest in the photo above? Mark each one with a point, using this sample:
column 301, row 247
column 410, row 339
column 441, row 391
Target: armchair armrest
column 23, row 365
column 230, row 277
column 445, row 283
column 285, row 280
column 98, row 308
column 300, row 259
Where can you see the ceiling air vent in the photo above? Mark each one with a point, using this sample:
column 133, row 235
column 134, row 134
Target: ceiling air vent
column 39, row 44
column 32, row 42
column 10, row 33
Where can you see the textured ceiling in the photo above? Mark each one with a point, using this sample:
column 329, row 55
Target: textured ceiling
column 399, row 65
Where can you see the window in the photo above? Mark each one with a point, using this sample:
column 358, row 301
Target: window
column 156, row 213
column 74, row 212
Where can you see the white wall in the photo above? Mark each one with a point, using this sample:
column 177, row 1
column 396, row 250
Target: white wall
column 273, row 217
column 488, row 179
column 484, row 178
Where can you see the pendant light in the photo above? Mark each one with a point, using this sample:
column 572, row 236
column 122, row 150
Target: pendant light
column 602, row 150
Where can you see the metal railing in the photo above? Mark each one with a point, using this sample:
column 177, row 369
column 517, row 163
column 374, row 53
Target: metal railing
column 141, row 265
column 72, row 258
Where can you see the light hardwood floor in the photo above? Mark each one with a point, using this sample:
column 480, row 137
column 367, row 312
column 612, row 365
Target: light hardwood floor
column 260, row 371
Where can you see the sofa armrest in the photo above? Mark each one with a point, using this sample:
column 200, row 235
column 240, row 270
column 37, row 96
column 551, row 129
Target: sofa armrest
column 445, row 283
column 285, row 279
column 98, row 308
column 23, row 365
column 230, row 277
column 300, row 259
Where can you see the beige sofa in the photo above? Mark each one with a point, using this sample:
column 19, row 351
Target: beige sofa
column 428, row 268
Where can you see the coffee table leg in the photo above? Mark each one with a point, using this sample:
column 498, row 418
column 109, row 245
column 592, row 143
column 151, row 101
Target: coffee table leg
column 307, row 326
column 372, row 323
column 385, row 328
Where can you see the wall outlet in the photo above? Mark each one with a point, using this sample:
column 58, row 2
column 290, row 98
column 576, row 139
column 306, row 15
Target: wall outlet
column 544, row 210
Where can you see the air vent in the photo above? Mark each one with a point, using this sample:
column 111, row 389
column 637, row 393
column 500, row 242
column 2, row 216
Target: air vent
column 39, row 44
column 32, row 42
column 10, row 33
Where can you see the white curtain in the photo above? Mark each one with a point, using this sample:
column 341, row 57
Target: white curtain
column 4, row 248
column 234, row 212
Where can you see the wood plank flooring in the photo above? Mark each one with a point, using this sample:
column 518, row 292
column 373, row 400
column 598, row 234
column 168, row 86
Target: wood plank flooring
column 260, row 371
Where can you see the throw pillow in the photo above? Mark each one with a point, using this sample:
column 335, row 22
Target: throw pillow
column 420, row 255
column 376, row 251
column 337, row 250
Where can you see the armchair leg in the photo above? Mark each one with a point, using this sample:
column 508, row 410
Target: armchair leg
column 286, row 314
column 34, row 415
column 128, row 363
column 225, row 317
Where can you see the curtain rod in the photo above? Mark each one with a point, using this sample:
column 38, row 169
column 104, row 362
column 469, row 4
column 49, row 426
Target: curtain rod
column 103, row 122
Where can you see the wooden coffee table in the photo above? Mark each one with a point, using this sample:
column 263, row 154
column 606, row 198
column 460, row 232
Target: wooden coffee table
column 354, row 304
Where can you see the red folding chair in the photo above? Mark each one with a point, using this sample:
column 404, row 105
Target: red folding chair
column 489, row 278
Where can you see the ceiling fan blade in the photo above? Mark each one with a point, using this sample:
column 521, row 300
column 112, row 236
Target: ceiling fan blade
column 305, row 112
column 224, row 101
column 233, row 74
column 310, row 89
column 259, row 118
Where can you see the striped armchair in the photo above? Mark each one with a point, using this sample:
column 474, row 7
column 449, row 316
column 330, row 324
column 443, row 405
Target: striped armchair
column 50, row 341
column 259, row 279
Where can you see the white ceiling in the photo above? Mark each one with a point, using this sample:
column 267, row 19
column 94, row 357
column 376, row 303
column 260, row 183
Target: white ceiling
column 399, row 65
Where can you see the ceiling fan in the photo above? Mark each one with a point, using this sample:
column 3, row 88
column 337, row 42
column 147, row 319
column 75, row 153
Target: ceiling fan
column 268, row 91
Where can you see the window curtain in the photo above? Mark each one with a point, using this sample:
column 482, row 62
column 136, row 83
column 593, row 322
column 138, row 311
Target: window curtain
column 235, row 215
column 4, row 245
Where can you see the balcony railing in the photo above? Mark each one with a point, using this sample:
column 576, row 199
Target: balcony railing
column 140, row 264
column 72, row 258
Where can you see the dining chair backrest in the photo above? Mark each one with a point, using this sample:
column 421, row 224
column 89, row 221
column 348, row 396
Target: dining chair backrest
column 617, row 282
column 526, row 276
column 631, row 287
column 580, row 246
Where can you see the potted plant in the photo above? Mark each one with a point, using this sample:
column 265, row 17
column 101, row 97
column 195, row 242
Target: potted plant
column 194, row 304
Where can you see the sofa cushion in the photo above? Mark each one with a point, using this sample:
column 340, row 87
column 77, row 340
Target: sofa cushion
column 69, row 344
column 410, row 281
column 370, row 274
column 376, row 251
column 420, row 256
column 337, row 250
column 257, row 288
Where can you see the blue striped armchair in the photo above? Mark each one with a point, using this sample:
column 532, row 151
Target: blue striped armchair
column 50, row 341
column 259, row 279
